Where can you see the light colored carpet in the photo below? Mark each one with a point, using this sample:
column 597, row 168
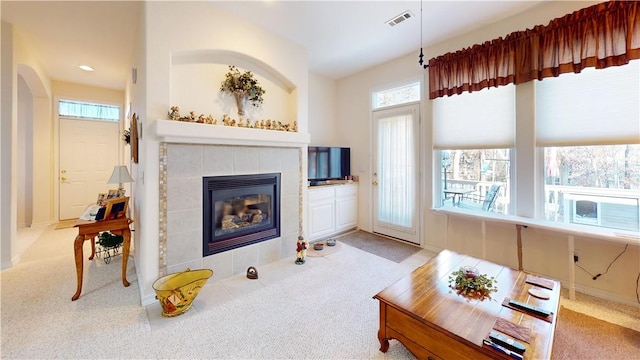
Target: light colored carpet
column 321, row 310
column 324, row 310
column 575, row 331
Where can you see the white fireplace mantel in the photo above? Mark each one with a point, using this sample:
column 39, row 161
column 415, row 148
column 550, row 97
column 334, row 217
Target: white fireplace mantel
column 180, row 132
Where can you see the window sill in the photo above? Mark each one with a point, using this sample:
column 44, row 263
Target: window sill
column 612, row 235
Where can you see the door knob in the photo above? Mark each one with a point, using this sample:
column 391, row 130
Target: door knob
column 375, row 183
column 63, row 178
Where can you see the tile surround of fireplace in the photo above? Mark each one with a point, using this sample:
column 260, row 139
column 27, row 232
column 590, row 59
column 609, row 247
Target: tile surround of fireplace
column 182, row 168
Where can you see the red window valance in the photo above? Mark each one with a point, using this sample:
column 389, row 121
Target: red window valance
column 603, row 35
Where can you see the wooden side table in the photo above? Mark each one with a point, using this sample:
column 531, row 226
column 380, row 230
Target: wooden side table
column 88, row 230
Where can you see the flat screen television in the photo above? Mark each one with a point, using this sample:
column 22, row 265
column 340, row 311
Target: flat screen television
column 328, row 163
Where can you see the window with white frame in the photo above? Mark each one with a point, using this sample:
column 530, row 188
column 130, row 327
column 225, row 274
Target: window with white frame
column 88, row 111
column 589, row 127
column 473, row 134
column 396, row 96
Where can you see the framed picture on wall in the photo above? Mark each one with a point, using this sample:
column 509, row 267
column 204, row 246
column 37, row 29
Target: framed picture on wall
column 134, row 138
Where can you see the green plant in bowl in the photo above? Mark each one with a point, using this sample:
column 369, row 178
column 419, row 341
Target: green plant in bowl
column 468, row 282
column 109, row 240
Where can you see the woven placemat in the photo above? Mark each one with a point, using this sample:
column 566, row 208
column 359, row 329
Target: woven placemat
column 512, row 329
column 542, row 282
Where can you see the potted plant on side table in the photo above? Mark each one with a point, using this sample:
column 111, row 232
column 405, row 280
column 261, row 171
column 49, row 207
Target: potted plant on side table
column 110, row 245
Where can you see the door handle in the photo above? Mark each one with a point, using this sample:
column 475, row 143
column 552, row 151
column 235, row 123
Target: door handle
column 63, row 178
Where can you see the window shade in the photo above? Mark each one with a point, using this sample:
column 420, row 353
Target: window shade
column 589, row 108
column 482, row 119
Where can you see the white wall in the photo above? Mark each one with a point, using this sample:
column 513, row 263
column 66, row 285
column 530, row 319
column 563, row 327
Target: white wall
column 31, row 106
column 8, row 152
column 24, row 148
column 323, row 124
column 545, row 252
column 209, row 29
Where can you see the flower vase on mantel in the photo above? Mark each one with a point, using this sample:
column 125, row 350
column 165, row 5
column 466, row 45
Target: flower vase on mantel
column 241, row 99
column 243, row 86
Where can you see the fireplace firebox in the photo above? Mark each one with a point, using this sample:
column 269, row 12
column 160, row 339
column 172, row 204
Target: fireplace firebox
column 239, row 210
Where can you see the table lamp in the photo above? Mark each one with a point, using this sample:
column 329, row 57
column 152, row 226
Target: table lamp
column 120, row 175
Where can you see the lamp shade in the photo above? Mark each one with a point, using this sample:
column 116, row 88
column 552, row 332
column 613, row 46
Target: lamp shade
column 120, row 175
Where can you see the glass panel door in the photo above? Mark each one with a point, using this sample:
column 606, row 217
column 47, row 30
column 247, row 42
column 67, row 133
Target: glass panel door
column 395, row 172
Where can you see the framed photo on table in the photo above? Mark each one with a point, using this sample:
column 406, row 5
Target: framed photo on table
column 116, row 208
column 113, row 193
column 102, row 199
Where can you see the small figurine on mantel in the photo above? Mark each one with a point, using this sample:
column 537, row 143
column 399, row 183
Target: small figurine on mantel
column 174, row 114
column 226, row 120
column 301, row 248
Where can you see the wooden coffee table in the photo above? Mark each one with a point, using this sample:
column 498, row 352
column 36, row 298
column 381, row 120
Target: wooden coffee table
column 434, row 322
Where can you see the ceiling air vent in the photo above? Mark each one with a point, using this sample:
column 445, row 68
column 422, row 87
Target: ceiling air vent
column 400, row 18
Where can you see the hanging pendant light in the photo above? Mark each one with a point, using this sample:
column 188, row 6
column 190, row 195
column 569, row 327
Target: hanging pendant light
column 421, row 56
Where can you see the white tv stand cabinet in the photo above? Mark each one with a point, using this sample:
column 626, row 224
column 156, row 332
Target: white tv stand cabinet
column 332, row 209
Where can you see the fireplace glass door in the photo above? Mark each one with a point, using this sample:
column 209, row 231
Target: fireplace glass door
column 239, row 211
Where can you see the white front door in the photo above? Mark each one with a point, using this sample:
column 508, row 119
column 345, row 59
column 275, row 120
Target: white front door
column 88, row 153
column 395, row 172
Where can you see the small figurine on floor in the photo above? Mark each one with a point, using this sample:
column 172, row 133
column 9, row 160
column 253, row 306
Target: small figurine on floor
column 301, row 248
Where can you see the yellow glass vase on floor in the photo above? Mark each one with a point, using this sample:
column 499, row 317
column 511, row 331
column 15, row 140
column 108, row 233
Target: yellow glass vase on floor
column 177, row 291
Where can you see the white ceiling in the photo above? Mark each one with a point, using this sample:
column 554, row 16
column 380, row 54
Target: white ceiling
column 342, row 37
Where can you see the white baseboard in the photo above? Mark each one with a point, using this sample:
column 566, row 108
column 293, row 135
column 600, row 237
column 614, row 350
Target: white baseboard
column 432, row 248
column 10, row 264
column 606, row 295
column 41, row 225
column 148, row 299
column 144, row 299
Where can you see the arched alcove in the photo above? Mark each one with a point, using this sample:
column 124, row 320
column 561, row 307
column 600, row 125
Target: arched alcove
column 196, row 76
column 33, row 80
column 227, row 57
column 34, row 148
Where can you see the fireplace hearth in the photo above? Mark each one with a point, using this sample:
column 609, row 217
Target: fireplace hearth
column 239, row 210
